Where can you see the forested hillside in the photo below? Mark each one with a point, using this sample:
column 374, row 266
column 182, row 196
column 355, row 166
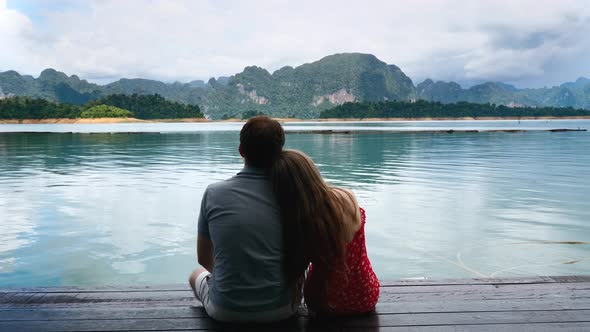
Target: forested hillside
column 302, row 92
column 426, row 109
column 141, row 107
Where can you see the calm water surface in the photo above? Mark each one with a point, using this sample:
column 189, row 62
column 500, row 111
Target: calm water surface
column 104, row 208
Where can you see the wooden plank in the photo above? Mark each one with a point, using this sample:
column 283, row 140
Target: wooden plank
column 450, row 305
column 400, row 288
column 259, row 328
column 535, row 327
column 551, row 303
column 54, row 297
column 174, row 324
column 416, row 306
column 484, row 288
column 571, row 279
column 101, row 313
column 499, row 294
column 460, row 318
column 98, row 289
column 488, row 281
column 384, row 283
column 543, row 327
column 166, row 300
column 131, row 311
column 112, row 325
column 398, row 320
column 391, row 294
column 6, row 298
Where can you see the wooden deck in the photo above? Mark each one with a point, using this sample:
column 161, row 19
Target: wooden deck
column 524, row 304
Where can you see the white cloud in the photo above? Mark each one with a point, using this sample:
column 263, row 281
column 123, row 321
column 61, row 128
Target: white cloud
column 15, row 29
column 527, row 42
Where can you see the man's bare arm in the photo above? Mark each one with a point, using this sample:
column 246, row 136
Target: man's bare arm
column 205, row 252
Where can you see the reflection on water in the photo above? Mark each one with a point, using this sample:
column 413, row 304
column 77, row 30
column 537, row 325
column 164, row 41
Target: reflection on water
column 91, row 209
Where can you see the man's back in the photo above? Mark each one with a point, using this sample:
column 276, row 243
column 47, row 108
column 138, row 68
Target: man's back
column 242, row 219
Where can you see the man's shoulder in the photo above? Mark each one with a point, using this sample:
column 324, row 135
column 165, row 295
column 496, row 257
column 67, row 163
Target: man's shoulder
column 221, row 185
column 243, row 179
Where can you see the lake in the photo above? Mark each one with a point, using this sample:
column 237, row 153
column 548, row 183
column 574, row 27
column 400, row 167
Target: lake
column 120, row 205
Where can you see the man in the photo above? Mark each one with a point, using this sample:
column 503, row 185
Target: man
column 239, row 241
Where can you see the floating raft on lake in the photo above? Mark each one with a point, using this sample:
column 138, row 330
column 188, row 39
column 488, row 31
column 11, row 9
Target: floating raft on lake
column 428, row 131
column 328, row 131
column 524, row 304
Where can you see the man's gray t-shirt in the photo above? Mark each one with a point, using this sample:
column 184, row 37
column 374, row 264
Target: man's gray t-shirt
column 241, row 217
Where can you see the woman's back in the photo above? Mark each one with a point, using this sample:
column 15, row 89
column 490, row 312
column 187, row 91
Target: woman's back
column 353, row 288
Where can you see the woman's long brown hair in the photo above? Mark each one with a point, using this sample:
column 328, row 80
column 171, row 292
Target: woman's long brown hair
column 313, row 229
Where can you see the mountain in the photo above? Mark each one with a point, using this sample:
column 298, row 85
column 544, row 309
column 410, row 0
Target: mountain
column 580, row 83
column 306, row 90
column 57, row 86
column 572, row 94
column 288, row 92
column 50, row 84
column 198, row 84
column 302, row 91
column 186, row 93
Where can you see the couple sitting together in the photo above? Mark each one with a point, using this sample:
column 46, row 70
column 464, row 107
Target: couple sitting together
column 276, row 228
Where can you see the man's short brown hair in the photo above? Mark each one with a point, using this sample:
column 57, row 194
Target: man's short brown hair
column 262, row 140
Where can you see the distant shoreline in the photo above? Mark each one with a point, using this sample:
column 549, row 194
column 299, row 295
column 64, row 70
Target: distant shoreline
column 98, row 120
column 195, row 120
column 580, row 117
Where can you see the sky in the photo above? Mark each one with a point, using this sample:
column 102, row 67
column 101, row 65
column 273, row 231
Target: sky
column 528, row 43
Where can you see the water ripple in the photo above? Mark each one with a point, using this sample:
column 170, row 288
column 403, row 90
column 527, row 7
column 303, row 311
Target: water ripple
column 119, row 208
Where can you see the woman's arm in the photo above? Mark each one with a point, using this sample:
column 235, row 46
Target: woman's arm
column 352, row 213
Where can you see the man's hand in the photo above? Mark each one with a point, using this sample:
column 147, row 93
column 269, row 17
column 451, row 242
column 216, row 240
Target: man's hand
column 205, row 252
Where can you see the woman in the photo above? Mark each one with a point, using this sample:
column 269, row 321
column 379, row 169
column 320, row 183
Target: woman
column 324, row 226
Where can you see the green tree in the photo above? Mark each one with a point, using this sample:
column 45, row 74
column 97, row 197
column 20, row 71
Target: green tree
column 426, row 109
column 150, row 106
column 105, row 111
